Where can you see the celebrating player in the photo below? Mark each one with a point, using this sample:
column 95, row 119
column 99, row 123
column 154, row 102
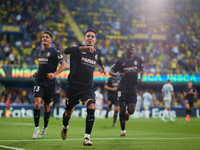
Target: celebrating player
column 44, row 84
column 127, row 67
column 167, row 93
column 83, row 59
column 111, row 86
column 189, row 93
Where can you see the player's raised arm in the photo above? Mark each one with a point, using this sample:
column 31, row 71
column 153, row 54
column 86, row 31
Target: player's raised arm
column 71, row 49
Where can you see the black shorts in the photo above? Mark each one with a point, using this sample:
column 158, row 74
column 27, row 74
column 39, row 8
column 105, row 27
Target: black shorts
column 74, row 95
column 126, row 95
column 113, row 100
column 190, row 102
column 45, row 92
column 56, row 98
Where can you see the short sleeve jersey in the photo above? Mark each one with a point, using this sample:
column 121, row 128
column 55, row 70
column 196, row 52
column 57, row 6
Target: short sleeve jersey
column 82, row 66
column 139, row 100
column 130, row 67
column 112, row 82
column 147, row 98
column 189, row 96
column 48, row 62
column 167, row 89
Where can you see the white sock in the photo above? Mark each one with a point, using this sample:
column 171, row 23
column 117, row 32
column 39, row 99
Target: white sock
column 87, row 136
column 66, row 127
column 147, row 114
column 123, row 131
column 37, row 127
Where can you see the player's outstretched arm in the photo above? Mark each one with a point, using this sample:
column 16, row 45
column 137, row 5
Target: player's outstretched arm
column 106, row 87
column 60, row 69
column 103, row 70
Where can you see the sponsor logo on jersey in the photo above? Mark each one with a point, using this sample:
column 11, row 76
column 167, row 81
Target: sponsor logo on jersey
column 130, row 69
column 88, row 62
column 43, row 60
column 135, row 63
column 123, row 64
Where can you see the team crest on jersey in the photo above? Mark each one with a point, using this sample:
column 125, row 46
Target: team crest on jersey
column 135, row 62
column 48, row 54
column 96, row 56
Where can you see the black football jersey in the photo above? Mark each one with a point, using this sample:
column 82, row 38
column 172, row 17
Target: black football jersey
column 189, row 96
column 82, row 66
column 130, row 67
column 112, row 82
column 48, row 62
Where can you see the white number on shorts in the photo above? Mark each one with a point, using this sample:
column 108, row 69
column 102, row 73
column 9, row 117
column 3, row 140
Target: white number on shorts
column 119, row 93
column 36, row 88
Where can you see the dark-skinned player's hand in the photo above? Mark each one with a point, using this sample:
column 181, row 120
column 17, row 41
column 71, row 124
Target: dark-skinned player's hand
column 140, row 81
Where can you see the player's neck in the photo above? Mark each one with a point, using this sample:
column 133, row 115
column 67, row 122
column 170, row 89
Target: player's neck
column 129, row 56
column 46, row 46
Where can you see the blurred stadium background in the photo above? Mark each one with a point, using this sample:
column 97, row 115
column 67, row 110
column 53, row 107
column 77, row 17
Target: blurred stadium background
column 166, row 34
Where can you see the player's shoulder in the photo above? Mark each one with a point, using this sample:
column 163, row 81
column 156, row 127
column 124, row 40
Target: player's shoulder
column 98, row 51
column 137, row 57
column 53, row 49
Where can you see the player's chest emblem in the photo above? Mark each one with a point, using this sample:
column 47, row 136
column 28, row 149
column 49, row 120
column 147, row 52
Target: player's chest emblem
column 48, row 54
column 83, row 53
column 135, row 63
column 96, row 56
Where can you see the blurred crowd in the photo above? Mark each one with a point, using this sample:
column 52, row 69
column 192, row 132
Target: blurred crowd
column 179, row 20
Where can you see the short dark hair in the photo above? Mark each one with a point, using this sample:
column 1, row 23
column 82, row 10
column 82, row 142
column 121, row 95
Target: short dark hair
column 49, row 33
column 91, row 30
column 168, row 81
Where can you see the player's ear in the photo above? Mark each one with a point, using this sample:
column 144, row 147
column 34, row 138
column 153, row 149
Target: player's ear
column 95, row 40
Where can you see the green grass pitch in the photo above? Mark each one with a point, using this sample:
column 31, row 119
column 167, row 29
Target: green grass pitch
column 142, row 134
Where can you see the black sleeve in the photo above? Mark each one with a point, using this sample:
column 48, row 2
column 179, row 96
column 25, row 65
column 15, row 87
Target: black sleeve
column 141, row 65
column 72, row 49
column 99, row 59
column 59, row 56
column 117, row 67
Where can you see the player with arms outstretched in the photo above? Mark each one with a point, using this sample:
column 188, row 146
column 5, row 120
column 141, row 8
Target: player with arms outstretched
column 127, row 67
column 83, row 59
column 45, row 81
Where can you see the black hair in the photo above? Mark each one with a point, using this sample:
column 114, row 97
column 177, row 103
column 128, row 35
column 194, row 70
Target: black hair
column 91, row 30
column 49, row 33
